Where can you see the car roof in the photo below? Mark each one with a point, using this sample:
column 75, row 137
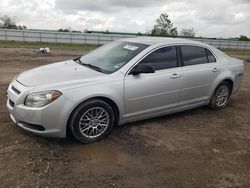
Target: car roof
column 160, row 40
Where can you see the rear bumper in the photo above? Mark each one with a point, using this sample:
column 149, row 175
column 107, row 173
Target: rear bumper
column 237, row 82
column 50, row 120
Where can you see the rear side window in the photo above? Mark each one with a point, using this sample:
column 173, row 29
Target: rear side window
column 210, row 56
column 193, row 55
column 163, row 58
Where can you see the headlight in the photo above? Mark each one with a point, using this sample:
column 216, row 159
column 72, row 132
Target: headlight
column 41, row 99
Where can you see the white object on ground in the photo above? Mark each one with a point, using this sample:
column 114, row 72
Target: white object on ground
column 44, row 50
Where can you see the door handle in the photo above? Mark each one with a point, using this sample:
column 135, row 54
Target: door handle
column 175, row 75
column 215, row 69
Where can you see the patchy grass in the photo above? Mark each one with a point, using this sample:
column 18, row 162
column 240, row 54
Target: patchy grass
column 59, row 46
column 85, row 47
column 236, row 52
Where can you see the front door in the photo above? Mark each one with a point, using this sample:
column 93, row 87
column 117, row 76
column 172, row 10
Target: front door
column 149, row 93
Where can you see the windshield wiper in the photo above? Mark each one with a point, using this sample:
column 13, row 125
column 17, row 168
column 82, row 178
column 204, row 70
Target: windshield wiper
column 78, row 60
column 92, row 66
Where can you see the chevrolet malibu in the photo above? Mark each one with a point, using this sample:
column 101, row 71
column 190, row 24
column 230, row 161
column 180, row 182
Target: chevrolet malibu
column 122, row 81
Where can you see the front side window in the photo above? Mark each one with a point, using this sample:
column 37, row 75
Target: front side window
column 112, row 56
column 163, row 58
column 193, row 55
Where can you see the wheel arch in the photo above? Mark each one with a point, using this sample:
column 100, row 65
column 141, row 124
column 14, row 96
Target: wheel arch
column 218, row 81
column 223, row 76
column 231, row 83
column 108, row 100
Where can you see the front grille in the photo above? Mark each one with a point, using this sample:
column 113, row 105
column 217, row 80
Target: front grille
column 16, row 90
column 11, row 103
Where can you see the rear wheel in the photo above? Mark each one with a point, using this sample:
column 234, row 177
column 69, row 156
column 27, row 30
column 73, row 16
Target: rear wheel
column 92, row 121
column 221, row 96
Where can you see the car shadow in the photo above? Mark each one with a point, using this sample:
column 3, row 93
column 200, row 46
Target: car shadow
column 124, row 128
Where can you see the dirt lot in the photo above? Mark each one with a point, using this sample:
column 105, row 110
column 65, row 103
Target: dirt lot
column 196, row 148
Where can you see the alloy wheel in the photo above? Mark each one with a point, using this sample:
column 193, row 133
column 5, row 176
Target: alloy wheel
column 222, row 96
column 94, row 122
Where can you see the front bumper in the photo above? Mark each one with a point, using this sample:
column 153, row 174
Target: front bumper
column 50, row 120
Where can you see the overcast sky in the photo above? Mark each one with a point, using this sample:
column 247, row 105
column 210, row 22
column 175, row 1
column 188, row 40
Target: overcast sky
column 209, row 18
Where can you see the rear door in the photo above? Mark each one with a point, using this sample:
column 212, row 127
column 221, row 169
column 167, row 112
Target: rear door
column 199, row 70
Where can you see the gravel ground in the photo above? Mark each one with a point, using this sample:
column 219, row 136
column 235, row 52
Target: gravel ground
column 196, row 148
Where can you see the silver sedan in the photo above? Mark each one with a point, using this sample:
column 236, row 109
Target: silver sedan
column 122, row 81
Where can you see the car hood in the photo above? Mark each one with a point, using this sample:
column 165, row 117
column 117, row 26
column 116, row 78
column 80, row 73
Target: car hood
column 57, row 73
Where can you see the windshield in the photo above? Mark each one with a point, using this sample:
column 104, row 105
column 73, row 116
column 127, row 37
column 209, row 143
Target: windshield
column 112, row 56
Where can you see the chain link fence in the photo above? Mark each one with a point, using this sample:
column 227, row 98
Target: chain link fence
column 88, row 38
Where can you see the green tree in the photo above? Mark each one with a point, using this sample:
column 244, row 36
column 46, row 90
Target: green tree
column 7, row 22
column 106, row 32
column 63, row 30
column 75, row 31
column 243, row 38
column 187, row 33
column 164, row 27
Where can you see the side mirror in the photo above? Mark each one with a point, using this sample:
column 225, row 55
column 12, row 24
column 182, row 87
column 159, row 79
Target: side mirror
column 142, row 68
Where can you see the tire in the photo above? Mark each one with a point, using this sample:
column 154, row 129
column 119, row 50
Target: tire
column 92, row 121
column 221, row 96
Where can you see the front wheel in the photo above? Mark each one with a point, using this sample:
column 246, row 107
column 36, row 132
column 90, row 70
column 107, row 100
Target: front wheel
column 92, row 121
column 221, row 96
